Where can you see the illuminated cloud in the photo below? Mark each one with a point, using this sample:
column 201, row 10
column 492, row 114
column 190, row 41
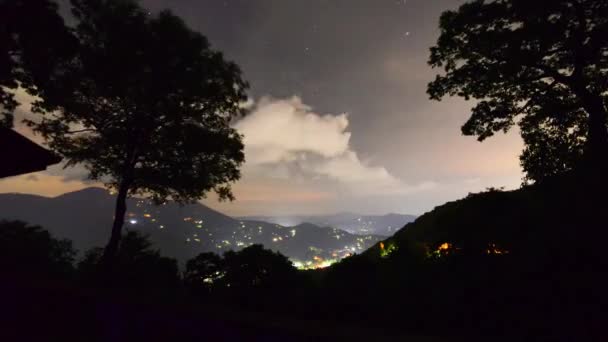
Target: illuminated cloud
column 285, row 138
column 281, row 130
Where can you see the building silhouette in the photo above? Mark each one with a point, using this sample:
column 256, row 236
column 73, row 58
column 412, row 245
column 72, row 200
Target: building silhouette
column 19, row 155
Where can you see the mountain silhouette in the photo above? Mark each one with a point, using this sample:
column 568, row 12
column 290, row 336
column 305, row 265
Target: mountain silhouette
column 385, row 225
column 182, row 232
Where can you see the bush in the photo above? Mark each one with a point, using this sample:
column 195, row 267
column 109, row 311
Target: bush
column 30, row 251
column 138, row 267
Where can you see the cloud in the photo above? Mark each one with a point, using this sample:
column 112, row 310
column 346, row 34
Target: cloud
column 298, row 161
column 280, row 130
column 40, row 183
column 285, row 138
column 366, row 179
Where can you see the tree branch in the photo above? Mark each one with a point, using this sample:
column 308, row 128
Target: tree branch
column 534, row 96
column 556, row 75
column 82, row 131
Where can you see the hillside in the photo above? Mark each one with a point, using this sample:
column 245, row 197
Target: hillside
column 353, row 223
column 182, row 232
column 472, row 223
column 534, row 258
column 551, row 215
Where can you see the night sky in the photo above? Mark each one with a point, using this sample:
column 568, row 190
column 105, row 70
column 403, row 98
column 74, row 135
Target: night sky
column 340, row 119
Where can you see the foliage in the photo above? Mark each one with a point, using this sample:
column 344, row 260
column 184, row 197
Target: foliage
column 204, row 272
column 137, row 266
column 496, row 263
column 251, row 268
column 29, row 54
column 146, row 107
column 27, row 250
column 553, row 146
column 486, row 264
column 387, row 249
column 544, row 61
column 257, row 267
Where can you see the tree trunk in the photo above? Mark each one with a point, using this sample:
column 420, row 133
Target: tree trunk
column 598, row 135
column 119, row 219
column 595, row 170
column 597, row 145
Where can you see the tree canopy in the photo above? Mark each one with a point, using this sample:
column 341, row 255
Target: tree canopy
column 203, row 271
column 27, row 250
column 552, row 145
column 146, row 106
column 29, row 53
column 256, row 266
column 540, row 64
column 138, row 265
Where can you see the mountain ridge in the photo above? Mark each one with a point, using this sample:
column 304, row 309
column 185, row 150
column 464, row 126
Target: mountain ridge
column 384, row 225
column 85, row 217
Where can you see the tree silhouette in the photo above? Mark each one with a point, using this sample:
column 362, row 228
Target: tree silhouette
column 137, row 266
column 27, row 250
column 203, row 271
column 256, row 267
column 29, row 53
column 553, row 145
column 146, row 108
column 542, row 59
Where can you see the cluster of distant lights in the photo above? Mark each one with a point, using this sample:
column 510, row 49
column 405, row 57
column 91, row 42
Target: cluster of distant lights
column 363, row 227
column 448, row 248
column 320, row 258
column 316, row 263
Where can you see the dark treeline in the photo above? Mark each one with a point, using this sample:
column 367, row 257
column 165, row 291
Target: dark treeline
column 496, row 264
column 73, row 298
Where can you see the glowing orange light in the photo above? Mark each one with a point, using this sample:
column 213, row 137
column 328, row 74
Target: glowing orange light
column 381, row 245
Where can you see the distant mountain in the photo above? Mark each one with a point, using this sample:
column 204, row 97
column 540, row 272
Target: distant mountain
column 85, row 217
column 384, row 225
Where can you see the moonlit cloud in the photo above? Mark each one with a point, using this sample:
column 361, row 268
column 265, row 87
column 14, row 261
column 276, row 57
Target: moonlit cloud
column 281, row 130
column 286, row 138
column 366, row 179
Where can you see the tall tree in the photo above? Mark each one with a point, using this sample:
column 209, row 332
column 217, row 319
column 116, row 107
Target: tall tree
column 146, row 108
column 542, row 61
column 34, row 42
